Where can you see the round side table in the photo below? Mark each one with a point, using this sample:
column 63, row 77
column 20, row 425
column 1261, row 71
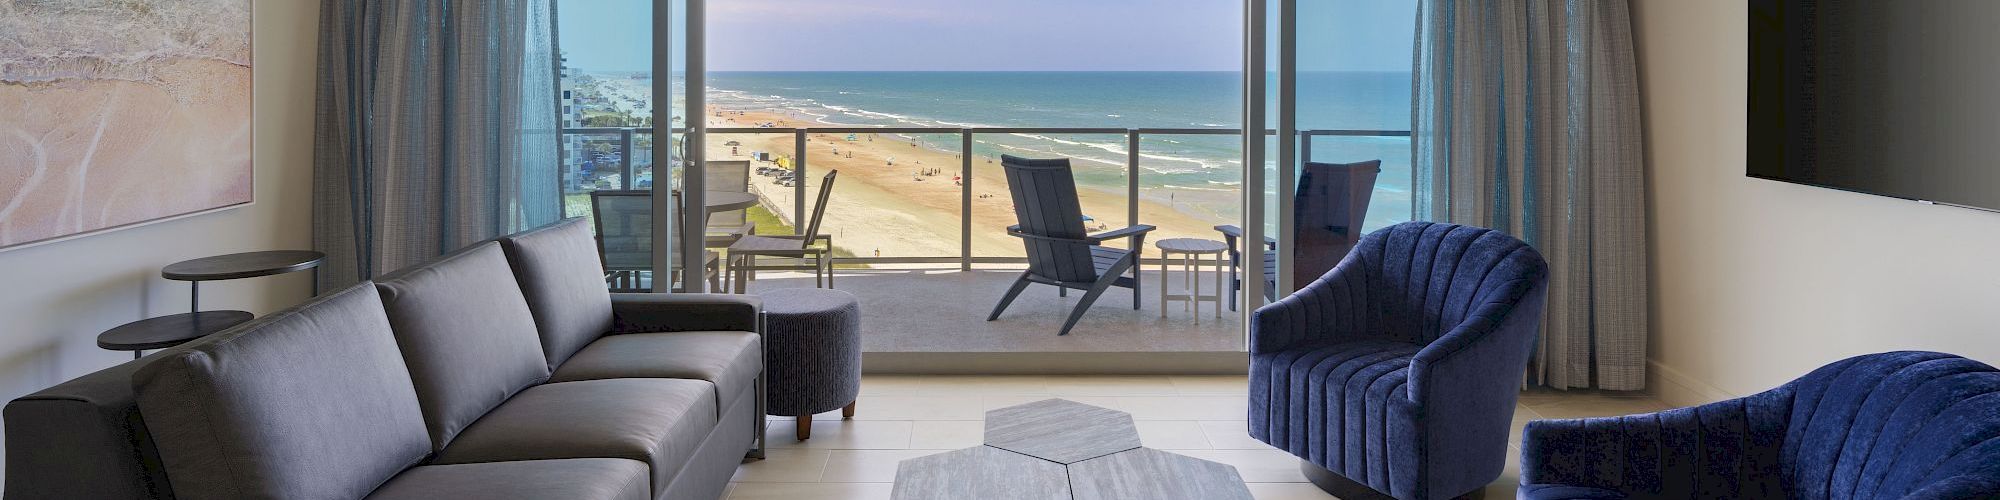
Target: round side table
column 168, row 331
column 239, row 266
column 1190, row 251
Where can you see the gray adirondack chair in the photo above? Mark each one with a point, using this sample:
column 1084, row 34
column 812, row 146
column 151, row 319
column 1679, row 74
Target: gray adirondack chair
column 1060, row 253
column 1327, row 213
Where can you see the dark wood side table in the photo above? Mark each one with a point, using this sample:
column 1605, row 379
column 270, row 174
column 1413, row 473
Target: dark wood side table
column 168, row 331
column 239, row 266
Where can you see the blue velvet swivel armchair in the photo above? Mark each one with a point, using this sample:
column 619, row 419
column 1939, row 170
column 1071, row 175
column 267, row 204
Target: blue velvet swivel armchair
column 1397, row 371
column 1908, row 425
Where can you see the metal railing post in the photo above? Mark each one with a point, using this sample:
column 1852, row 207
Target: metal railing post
column 1132, row 179
column 799, row 182
column 625, row 159
column 965, row 200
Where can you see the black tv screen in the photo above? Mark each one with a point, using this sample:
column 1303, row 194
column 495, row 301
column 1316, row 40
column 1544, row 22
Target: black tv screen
column 1891, row 97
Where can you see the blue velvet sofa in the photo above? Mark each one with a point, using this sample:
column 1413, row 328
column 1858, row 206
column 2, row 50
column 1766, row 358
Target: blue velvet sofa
column 1909, row 425
column 1397, row 371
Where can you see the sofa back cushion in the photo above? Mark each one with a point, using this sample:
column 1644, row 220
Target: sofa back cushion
column 466, row 333
column 1426, row 278
column 312, row 402
column 563, row 281
column 1891, row 425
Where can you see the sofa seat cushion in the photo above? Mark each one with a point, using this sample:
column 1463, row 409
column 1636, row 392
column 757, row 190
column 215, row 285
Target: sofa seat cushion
column 653, row 420
column 573, row 479
column 730, row 360
column 1565, row 492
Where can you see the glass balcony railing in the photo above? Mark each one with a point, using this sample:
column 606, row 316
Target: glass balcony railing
column 964, row 229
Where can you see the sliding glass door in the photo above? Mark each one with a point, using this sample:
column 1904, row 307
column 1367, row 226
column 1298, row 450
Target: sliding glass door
column 622, row 72
column 1336, row 158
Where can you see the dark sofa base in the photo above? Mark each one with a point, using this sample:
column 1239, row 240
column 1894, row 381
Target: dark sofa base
column 1341, row 487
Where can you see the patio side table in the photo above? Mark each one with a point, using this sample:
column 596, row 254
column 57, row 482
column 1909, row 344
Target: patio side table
column 239, row 266
column 168, row 331
column 1191, row 251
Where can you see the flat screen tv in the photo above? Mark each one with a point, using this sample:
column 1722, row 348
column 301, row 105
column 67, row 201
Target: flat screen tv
column 1891, row 97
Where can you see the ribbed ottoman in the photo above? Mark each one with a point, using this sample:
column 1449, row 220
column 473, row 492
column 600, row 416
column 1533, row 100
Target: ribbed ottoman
column 812, row 353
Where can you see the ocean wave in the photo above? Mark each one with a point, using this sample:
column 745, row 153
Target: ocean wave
column 878, row 114
column 1119, row 149
column 966, row 125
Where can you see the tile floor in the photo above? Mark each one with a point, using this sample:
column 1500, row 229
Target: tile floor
column 904, row 416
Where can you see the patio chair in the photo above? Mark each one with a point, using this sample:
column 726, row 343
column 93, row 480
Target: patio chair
column 1327, row 213
column 743, row 254
column 1060, row 253
column 724, row 228
column 624, row 221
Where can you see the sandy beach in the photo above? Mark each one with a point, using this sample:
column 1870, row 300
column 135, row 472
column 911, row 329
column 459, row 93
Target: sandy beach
column 888, row 208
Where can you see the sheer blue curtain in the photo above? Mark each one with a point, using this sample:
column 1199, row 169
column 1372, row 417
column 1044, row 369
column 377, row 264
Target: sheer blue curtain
column 1526, row 120
column 436, row 129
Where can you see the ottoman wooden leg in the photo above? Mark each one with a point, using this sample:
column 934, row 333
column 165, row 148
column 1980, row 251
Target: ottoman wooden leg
column 805, row 427
column 848, row 412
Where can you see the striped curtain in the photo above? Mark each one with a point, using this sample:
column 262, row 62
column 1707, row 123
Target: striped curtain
column 436, row 129
column 1526, row 120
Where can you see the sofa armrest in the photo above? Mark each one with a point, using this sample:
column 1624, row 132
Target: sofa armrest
column 1307, row 315
column 684, row 312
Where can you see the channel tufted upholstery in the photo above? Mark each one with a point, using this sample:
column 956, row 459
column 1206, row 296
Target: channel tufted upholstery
column 1909, row 425
column 1398, row 369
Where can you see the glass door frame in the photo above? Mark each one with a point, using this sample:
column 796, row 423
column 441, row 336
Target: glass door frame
column 692, row 224
column 1256, row 43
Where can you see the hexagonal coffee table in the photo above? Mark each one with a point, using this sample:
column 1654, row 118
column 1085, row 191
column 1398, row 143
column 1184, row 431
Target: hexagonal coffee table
column 1061, row 449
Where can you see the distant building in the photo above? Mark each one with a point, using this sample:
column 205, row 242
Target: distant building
column 571, row 116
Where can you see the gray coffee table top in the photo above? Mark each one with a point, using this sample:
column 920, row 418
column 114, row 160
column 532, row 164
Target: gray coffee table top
column 1062, row 450
column 980, row 472
column 1150, row 473
column 1060, row 430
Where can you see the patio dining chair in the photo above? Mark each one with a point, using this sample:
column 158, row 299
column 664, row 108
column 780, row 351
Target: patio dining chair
column 624, row 222
column 724, row 228
column 1060, row 253
column 743, row 254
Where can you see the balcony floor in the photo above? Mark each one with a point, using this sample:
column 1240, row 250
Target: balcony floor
column 944, row 310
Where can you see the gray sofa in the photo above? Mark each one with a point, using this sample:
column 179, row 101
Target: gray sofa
column 504, row 370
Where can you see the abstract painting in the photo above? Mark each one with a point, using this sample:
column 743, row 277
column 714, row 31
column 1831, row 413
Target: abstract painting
column 115, row 113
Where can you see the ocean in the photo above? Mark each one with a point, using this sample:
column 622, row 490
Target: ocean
column 1184, row 166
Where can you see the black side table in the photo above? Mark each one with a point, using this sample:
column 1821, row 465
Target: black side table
column 168, row 331
column 239, row 266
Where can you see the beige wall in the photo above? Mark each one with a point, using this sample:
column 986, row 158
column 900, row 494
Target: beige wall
column 55, row 298
column 1758, row 282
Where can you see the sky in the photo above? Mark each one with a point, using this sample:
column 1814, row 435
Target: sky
column 988, row 35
